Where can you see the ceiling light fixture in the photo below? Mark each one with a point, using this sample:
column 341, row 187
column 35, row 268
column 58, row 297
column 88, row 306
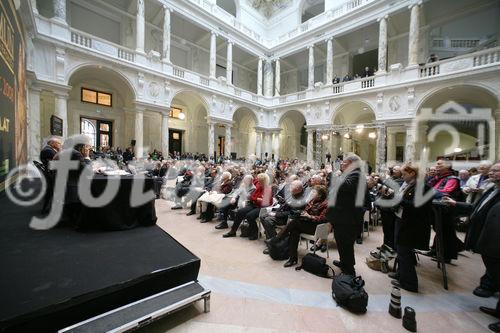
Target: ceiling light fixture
column 182, row 116
column 372, row 135
column 359, row 128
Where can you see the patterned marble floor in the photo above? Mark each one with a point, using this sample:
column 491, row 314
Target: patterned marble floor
column 253, row 293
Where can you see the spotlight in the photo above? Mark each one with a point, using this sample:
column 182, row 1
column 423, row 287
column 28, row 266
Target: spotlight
column 372, row 135
column 182, row 116
column 347, row 135
column 457, row 150
column 324, row 137
column 359, row 128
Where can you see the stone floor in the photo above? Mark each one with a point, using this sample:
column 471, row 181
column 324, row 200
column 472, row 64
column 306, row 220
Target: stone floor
column 253, row 293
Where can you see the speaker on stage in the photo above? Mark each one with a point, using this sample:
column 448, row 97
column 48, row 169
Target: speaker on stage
column 132, row 143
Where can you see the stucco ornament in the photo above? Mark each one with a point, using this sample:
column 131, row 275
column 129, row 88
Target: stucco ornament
column 154, row 89
column 394, row 103
column 269, row 7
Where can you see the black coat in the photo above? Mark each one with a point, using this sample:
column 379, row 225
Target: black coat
column 46, row 155
column 482, row 223
column 415, row 223
column 344, row 211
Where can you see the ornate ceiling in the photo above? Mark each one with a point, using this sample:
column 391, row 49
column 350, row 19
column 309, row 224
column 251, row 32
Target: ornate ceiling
column 269, row 7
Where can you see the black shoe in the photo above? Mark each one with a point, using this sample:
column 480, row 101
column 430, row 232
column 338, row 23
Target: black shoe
column 337, row 263
column 229, row 234
column 266, row 251
column 396, row 283
column 490, row 311
column 244, row 234
column 314, row 248
column 480, row 292
column 393, row 275
column 190, row 213
column 291, row 262
column 222, row 225
column 409, row 321
column 359, row 241
column 324, row 247
column 495, row 327
column 253, row 237
column 176, row 207
column 205, row 221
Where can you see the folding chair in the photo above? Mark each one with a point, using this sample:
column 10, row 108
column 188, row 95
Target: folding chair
column 322, row 232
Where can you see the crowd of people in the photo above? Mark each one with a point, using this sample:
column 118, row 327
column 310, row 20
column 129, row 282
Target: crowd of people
column 348, row 77
column 292, row 198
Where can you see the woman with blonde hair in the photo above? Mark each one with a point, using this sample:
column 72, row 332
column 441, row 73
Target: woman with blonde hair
column 260, row 198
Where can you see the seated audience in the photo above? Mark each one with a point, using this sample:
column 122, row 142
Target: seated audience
column 237, row 199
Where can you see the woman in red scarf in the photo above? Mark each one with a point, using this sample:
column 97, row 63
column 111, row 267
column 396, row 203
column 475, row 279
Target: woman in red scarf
column 260, row 198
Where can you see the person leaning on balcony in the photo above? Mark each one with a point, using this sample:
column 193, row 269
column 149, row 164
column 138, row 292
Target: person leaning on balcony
column 484, row 233
column 432, row 58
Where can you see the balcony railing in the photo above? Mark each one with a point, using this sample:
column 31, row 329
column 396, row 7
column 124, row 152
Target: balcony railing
column 367, row 83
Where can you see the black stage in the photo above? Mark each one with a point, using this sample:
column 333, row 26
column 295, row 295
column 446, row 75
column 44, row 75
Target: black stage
column 55, row 278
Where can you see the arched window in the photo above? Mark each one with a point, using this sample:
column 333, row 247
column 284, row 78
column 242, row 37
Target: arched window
column 88, row 129
column 228, row 5
column 312, row 8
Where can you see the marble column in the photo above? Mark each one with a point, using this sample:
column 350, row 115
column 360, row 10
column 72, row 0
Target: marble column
column 381, row 149
column 259, row 77
column 213, row 54
column 139, row 132
column 414, row 34
column 382, row 45
column 229, row 63
column 59, row 10
column 410, row 143
column 496, row 146
column 277, row 78
column 166, row 34
column 211, row 135
column 61, row 110
column 34, row 137
column 329, row 61
column 268, row 78
column 391, row 144
column 140, row 27
column 310, row 147
column 276, row 145
column 164, row 133
column 258, row 151
column 310, row 71
column 268, row 144
column 227, row 141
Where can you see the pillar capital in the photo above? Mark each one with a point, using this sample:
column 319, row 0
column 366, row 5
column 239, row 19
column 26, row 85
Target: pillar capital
column 167, row 8
column 214, row 33
column 416, row 3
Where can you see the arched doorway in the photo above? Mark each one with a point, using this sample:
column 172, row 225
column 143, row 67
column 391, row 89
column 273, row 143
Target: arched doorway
column 354, row 131
column 100, row 105
column 458, row 123
column 188, row 130
column 293, row 136
column 244, row 135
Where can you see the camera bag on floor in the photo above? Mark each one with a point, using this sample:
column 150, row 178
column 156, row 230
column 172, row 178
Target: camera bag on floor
column 278, row 248
column 316, row 265
column 349, row 293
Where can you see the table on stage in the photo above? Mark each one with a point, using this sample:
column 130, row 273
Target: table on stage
column 119, row 213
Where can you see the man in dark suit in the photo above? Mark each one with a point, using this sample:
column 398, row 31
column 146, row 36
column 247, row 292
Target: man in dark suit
column 344, row 214
column 50, row 150
column 484, row 233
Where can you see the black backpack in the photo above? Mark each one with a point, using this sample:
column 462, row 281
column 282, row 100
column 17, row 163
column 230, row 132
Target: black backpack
column 316, row 265
column 278, row 248
column 349, row 293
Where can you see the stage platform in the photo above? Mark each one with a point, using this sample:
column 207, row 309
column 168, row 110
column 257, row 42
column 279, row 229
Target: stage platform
column 53, row 279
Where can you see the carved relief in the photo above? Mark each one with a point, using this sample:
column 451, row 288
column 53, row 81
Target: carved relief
column 154, row 89
column 140, row 82
column 394, row 104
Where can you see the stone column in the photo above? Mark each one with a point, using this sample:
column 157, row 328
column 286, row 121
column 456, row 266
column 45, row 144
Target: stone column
column 229, row 65
column 140, row 27
column 211, row 134
column 227, row 141
column 414, row 34
column 164, row 133
column 139, row 132
column 259, row 77
column 268, row 79
column 276, row 145
column 166, row 34
column 410, row 143
column 258, row 144
column 329, row 61
column 310, row 80
column 381, row 149
column 277, row 79
column 310, row 148
column 61, row 110
column 391, row 144
column 382, row 45
column 213, row 54
column 268, row 144
column 34, row 137
column 59, row 10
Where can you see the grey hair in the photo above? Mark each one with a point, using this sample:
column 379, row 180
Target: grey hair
column 352, row 158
